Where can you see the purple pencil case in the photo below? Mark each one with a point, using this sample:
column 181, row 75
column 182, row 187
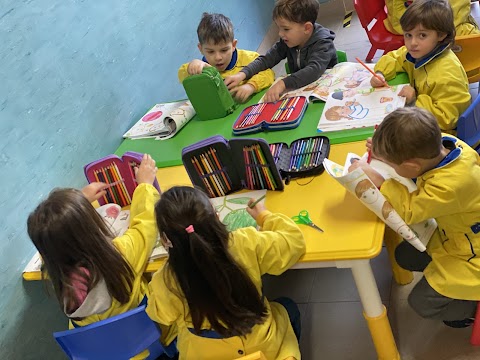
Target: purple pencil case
column 119, row 173
column 221, row 167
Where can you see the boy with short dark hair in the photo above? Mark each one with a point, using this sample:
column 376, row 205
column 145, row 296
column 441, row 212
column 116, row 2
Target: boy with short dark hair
column 307, row 45
column 447, row 173
column 217, row 44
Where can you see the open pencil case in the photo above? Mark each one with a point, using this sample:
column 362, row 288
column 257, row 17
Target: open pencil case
column 304, row 157
column 221, row 167
column 278, row 115
column 119, row 173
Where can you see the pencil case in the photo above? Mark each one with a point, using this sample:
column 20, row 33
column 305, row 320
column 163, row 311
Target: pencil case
column 117, row 172
column 208, row 94
column 278, row 115
column 221, row 167
column 304, row 157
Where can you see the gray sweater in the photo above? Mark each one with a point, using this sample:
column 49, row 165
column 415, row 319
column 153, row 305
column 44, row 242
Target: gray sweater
column 306, row 64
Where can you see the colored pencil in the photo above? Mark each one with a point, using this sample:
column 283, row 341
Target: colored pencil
column 96, row 178
column 371, row 71
column 252, row 205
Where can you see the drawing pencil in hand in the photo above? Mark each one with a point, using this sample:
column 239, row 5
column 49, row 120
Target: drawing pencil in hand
column 252, row 205
column 372, row 72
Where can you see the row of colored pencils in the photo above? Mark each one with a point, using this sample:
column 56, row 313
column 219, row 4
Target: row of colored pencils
column 285, row 110
column 214, row 177
column 275, row 149
column 306, row 153
column 257, row 169
column 116, row 192
column 252, row 115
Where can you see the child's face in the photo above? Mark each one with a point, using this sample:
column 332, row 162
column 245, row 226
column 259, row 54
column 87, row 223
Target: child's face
column 420, row 41
column 292, row 33
column 218, row 55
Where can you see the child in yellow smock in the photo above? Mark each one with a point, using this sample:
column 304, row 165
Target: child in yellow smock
column 218, row 46
column 438, row 81
column 464, row 22
column 447, row 173
column 96, row 275
column 211, row 285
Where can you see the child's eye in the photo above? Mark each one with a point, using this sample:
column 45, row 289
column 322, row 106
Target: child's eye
column 407, row 35
column 423, row 36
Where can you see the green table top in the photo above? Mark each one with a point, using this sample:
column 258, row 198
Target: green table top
column 169, row 152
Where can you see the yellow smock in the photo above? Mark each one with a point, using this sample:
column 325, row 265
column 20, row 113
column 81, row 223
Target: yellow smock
column 136, row 245
column 273, row 250
column 464, row 23
column 440, row 83
column 260, row 81
column 449, row 193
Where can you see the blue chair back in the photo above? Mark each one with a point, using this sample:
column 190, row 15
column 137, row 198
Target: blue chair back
column 468, row 126
column 119, row 337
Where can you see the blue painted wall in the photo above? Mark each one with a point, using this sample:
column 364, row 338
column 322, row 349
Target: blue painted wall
column 74, row 76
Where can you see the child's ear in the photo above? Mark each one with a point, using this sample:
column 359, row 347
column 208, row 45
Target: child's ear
column 200, row 48
column 308, row 27
column 442, row 36
column 413, row 165
column 234, row 44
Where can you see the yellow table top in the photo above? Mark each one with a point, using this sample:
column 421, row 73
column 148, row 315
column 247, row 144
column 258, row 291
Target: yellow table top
column 351, row 231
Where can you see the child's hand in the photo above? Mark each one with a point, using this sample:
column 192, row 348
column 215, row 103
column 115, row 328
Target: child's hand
column 196, row 66
column 368, row 144
column 256, row 210
column 147, row 171
column 94, row 191
column 375, row 176
column 234, row 80
column 273, row 94
column 409, row 93
column 243, row 92
column 375, row 82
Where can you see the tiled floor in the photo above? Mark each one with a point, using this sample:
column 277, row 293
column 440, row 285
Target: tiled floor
column 333, row 327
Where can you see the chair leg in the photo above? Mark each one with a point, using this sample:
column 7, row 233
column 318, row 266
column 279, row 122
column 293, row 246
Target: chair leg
column 475, row 337
column 392, row 239
column 371, row 54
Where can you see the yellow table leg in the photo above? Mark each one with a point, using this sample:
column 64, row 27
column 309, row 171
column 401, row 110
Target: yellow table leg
column 382, row 336
column 392, row 239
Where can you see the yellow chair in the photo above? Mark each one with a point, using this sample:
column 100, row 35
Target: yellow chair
column 258, row 355
column 466, row 48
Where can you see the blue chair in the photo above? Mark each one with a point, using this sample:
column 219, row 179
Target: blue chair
column 468, row 126
column 119, row 337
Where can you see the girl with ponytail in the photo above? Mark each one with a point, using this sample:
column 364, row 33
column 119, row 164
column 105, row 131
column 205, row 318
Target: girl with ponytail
column 211, row 285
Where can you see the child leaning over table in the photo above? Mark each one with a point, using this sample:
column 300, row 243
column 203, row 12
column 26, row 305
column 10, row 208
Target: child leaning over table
column 219, row 48
column 438, row 81
column 211, row 285
column 307, row 45
column 447, row 173
column 96, row 275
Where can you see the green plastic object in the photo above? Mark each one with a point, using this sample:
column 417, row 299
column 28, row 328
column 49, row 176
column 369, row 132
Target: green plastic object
column 208, row 94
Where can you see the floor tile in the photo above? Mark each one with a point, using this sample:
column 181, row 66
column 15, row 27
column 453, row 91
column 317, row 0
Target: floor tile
column 422, row 339
column 335, row 285
column 295, row 284
column 334, row 331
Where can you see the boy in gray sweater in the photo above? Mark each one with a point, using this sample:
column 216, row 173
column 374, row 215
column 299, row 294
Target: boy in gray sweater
column 308, row 47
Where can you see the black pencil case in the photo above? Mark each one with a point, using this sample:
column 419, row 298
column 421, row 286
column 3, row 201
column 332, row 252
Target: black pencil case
column 304, row 157
column 221, row 167
column 278, row 115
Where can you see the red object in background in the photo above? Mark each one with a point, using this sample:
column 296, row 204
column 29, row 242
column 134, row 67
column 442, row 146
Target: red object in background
column 379, row 37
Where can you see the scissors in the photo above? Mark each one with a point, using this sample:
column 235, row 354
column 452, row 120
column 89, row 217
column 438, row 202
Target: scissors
column 304, row 219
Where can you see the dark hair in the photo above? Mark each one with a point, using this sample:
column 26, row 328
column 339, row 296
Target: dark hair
column 214, row 285
column 69, row 233
column 432, row 15
column 297, row 11
column 216, row 28
column 407, row 133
